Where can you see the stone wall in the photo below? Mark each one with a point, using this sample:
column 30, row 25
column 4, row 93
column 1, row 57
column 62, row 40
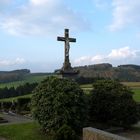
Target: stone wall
column 96, row 134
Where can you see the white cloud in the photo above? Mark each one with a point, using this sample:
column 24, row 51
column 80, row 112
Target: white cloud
column 17, row 61
column 38, row 2
column 87, row 60
column 125, row 12
column 116, row 56
column 41, row 17
column 122, row 53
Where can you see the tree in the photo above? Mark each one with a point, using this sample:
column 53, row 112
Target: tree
column 58, row 103
column 112, row 103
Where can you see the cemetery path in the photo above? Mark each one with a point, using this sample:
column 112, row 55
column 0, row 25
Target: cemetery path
column 2, row 138
column 132, row 134
column 138, row 124
column 14, row 119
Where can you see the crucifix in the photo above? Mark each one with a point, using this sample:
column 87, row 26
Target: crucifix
column 67, row 41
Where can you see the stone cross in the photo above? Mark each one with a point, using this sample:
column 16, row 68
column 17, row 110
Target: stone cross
column 67, row 41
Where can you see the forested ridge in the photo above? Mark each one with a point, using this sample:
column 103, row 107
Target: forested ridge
column 15, row 75
column 127, row 72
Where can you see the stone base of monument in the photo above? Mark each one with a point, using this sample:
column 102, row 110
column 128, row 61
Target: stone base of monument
column 72, row 74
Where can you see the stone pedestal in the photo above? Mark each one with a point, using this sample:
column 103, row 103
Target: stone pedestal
column 69, row 73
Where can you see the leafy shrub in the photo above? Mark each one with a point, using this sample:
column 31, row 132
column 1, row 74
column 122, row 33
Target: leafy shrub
column 59, row 102
column 112, row 103
column 23, row 104
column 25, row 89
column 139, row 110
column 6, row 105
column 65, row 133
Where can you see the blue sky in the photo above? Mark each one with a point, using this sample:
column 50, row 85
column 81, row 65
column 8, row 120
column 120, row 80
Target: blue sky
column 107, row 31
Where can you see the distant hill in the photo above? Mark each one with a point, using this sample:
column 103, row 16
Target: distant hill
column 16, row 75
column 128, row 72
column 20, row 77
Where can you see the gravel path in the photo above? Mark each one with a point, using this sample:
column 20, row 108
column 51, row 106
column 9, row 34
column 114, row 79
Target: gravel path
column 2, row 138
column 131, row 134
column 14, row 119
column 138, row 124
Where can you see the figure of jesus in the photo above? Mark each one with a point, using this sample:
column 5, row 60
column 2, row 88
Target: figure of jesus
column 67, row 41
column 67, row 48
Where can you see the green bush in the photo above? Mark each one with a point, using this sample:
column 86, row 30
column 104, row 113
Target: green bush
column 65, row 133
column 23, row 104
column 6, row 106
column 112, row 103
column 139, row 110
column 59, row 102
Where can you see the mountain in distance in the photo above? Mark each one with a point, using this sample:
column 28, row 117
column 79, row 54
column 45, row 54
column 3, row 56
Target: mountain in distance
column 129, row 72
column 15, row 75
column 124, row 73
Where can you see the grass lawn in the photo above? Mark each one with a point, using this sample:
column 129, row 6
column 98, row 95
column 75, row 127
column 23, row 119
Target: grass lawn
column 136, row 96
column 15, row 98
column 27, row 79
column 86, row 86
column 27, row 131
column 132, row 84
column 135, row 86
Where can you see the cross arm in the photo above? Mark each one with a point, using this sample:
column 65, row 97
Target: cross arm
column 60, row 38
column 72, row 39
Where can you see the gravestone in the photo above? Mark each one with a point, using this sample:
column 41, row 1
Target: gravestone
column 67, row 70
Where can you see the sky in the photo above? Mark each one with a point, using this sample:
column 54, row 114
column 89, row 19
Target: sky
column 106, row 31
